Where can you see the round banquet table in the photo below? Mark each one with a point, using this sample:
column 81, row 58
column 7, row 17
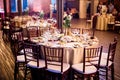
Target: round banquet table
column 103, row 20
column 73, row 51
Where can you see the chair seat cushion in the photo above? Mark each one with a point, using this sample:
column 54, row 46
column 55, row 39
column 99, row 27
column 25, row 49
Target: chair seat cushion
column 103, row 62
column 104, row 55
column 57, row 69
column 33, row 64
column 88, row 69
column 117, row 24
column 20, row 58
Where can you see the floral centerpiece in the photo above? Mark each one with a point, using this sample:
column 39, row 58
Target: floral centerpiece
column 104, row 9
column 27, row 11
column 41, row 15
column 67, row 22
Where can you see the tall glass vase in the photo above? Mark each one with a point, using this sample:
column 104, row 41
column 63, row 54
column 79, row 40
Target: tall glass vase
column 67, row 31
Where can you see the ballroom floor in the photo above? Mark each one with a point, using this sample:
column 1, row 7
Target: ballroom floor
column 105, row 37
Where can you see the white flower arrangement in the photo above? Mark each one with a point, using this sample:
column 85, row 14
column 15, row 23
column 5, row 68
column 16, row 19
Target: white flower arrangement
column 67, row 20
column 27, row 10
column 104, row 9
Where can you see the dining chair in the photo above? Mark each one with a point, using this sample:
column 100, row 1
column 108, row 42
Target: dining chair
column 85, row 69
column 42, row 30
column 56, row 69
column 32, row 31
column 94, row 21
column 17, row 46
column 6, row 28
column 107, row 60
column 117, row 27
column 107, row 64
column 105, row 54
column 87, row 31
column 14, row 29
column 33, row 62
column 76, row 30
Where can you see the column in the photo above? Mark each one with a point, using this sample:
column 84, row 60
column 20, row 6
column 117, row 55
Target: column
column 82, row 8
column 5, row 8
column 51, row 10
column 60, row 13
column 94, row 4
column 19, row 7
column 9, row 7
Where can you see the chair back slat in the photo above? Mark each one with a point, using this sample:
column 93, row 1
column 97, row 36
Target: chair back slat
column 53, row 56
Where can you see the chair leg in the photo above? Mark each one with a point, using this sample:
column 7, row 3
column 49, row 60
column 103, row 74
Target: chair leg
column 15, row 71
column 96, row 77
column 112, row 71
column 54, row 77
column 72, row 75
column 83, row 77
column 63, row 78
column 6, row 35
column 25, row 74
column 106, row 73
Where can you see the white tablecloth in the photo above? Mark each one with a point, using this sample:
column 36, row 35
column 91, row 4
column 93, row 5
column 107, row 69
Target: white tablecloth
column 103, row 20
column 72, row 54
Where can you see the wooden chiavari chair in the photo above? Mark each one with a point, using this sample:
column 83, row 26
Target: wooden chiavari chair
column 55, row 68
column 33, row 61
column 87, row 31
column 76, row 30
column 32, row 31
column 86, row 69
column 107, row 60
column 107, row 64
